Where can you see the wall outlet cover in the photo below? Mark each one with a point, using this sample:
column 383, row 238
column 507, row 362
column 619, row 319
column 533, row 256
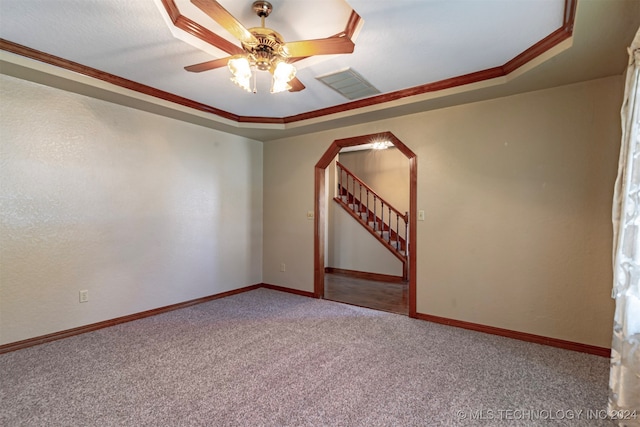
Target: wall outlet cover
column 84, row 296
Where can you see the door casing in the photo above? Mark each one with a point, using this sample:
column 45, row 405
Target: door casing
column 320, row 208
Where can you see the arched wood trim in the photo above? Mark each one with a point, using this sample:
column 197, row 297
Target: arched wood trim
column 320, row 208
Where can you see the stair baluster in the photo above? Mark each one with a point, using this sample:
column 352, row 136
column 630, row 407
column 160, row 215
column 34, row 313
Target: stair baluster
column 368, row 211
column 368, row 216
column 375, row 218
column 382, row 219
column 406, row 232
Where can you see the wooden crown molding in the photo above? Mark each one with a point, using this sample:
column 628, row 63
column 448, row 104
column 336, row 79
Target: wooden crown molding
column 549, row 42
column 180, row 21
column 28, row 52
column 197, row 30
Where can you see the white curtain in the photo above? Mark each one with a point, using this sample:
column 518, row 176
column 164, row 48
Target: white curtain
column 624, row 380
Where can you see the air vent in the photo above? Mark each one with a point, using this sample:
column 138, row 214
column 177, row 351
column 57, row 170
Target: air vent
column 349, row 84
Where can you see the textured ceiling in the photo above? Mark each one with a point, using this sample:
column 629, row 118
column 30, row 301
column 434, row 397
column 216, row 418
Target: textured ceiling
column 399, row 45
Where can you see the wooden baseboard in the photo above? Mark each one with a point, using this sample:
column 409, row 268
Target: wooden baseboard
column 289, row 290
column 6, row 348
column 522, row 336
column 365, row 275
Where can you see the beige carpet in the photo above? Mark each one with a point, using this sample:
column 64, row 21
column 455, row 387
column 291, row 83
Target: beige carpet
column 268, row 358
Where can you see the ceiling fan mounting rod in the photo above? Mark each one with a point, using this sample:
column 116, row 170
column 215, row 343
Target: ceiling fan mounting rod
column 263, row 9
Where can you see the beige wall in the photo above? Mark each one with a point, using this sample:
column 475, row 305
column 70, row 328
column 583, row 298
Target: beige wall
column 145, row 211
column 517, row 193
column 140, row 210
column 288, row 196
column 385, row 171
column 352, row 247
column 348, row 245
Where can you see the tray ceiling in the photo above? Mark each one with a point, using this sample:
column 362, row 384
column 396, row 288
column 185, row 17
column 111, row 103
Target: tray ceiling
column 401, row 47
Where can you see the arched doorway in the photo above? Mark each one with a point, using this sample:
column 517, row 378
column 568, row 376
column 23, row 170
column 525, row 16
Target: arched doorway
column 320, row 207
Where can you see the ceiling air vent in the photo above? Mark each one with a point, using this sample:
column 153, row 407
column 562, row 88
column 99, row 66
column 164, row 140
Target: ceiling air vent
column 349, row 84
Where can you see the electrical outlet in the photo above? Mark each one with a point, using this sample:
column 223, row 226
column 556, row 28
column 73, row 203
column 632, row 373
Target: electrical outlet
column 84, row 296
column 283, row 267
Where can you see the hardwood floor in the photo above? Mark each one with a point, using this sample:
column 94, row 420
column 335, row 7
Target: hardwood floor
column 385, row 296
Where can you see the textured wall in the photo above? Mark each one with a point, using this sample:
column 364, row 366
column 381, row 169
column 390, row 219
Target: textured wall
column 386, row 171
column 517, row 193
column 351, row 247
column 288, row 196
column 348, row 245
column 140, row 210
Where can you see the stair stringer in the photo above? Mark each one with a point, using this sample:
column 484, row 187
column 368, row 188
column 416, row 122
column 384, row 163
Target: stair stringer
column 401, row 255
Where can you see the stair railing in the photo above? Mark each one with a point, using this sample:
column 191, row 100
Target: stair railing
column 391, row 225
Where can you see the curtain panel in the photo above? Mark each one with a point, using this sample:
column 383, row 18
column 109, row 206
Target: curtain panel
column 624, row 380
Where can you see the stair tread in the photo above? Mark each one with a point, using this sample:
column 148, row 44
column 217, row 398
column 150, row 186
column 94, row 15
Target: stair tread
column 388, row 236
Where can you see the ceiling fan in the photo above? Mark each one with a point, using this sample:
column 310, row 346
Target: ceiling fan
column 265, row 49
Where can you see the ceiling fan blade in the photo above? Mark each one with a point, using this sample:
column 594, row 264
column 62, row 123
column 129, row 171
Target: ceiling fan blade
column 209, row 65
column 328, row 46
column 296, row 85
column 219, row 14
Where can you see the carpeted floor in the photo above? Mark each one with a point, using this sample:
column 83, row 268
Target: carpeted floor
column 268, row 358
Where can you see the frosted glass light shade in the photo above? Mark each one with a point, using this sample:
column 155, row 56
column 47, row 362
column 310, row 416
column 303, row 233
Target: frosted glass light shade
column 244, row 83
column 282, row 74
column 241, row 70
column 279, row 86
column 284, row 71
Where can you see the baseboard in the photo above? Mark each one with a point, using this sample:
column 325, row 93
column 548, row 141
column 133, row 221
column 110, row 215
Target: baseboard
column 522, row 336
column 289, row 290
column 6, row 348
column 365, row 275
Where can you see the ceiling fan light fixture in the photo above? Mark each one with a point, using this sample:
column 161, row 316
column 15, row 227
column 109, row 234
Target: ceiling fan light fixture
column 278, row 86
column 241, row 70
column 283, row 73
column 264, row 49
column 244, row 83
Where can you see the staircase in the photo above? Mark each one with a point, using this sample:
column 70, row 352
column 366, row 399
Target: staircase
column 388, row 225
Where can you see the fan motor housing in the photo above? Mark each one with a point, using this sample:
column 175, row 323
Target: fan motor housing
column 269, row 49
